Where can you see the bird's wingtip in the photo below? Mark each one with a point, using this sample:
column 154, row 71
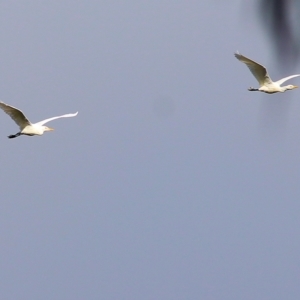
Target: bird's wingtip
column 237, row 54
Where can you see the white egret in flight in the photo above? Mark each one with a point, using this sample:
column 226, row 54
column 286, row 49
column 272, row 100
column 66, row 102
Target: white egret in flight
column 26, row 127
column 266, row 84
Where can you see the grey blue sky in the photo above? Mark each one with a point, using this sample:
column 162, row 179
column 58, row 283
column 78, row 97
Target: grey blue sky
column 173, row 182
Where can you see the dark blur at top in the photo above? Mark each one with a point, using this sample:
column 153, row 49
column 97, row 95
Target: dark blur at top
column 281, row 18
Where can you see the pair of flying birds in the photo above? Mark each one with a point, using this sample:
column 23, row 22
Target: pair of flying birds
column 260, row 73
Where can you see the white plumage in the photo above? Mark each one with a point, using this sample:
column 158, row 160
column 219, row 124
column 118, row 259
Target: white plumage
column 266, row 84
column 26, row 127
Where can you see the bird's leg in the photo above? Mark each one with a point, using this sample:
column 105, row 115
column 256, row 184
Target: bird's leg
column 14, row 135
column 251, row 89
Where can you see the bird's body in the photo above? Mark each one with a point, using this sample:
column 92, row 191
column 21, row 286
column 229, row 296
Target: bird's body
column 26, row 127
column 266, row 84
column 33, row 129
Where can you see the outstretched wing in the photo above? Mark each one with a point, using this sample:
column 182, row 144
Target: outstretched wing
column 53, row 118
column 258, row 71
column 281, row 81
column 16, row 115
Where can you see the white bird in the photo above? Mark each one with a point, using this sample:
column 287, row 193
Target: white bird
column 266, row 84
column 26, row 127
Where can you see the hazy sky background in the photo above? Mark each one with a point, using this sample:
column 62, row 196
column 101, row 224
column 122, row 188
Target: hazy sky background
column 173, row 182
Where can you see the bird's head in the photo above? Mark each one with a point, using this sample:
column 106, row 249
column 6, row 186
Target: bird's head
column 48, row 128
column 291, row 87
